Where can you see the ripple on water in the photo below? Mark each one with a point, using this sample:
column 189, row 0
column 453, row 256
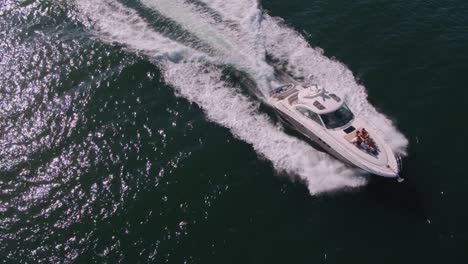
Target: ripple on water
column 51, row 138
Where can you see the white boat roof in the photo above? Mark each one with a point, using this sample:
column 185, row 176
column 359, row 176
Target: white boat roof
column 313, row 97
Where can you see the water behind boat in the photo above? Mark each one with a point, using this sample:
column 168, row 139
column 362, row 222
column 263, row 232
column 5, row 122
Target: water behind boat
column 126, row 134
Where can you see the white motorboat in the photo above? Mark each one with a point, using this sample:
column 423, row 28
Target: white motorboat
column 324, row 118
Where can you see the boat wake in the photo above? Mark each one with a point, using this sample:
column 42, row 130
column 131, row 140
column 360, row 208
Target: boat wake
column 192, row 42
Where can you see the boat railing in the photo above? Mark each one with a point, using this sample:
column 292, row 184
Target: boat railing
column 283, row 91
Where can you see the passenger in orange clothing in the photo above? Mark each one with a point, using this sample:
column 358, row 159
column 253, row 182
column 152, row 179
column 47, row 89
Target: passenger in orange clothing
column 357, row 140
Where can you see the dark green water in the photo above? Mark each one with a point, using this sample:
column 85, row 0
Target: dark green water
column 100, row 161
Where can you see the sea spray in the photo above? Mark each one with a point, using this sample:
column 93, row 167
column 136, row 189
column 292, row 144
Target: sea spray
column 233, row 45
column 223, row 103
column 301, row 60
column 292, row 51
column 227, row 106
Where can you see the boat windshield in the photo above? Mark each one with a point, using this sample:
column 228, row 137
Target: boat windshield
column 339, row 118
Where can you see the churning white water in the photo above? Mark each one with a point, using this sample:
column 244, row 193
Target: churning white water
column 240, row 35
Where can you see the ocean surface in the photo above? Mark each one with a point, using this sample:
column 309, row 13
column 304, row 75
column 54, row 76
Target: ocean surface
column 137, row 131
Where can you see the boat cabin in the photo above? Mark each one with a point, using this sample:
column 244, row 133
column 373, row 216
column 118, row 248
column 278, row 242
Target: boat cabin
column 327, row 109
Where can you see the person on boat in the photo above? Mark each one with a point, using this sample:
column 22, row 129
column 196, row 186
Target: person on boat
column 357, row 139
column 365, row 135
column 370, row 142
column 359, row 142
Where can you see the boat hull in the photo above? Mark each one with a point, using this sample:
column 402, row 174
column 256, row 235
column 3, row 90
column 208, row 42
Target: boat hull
column 298, row 126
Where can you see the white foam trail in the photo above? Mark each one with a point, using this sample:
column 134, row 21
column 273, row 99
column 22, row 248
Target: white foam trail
column 233, row 47
column 245, row 12
column 113, row 22
column 202, row 83
column 192, row 20
column 227, row 106
column 302, row 60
